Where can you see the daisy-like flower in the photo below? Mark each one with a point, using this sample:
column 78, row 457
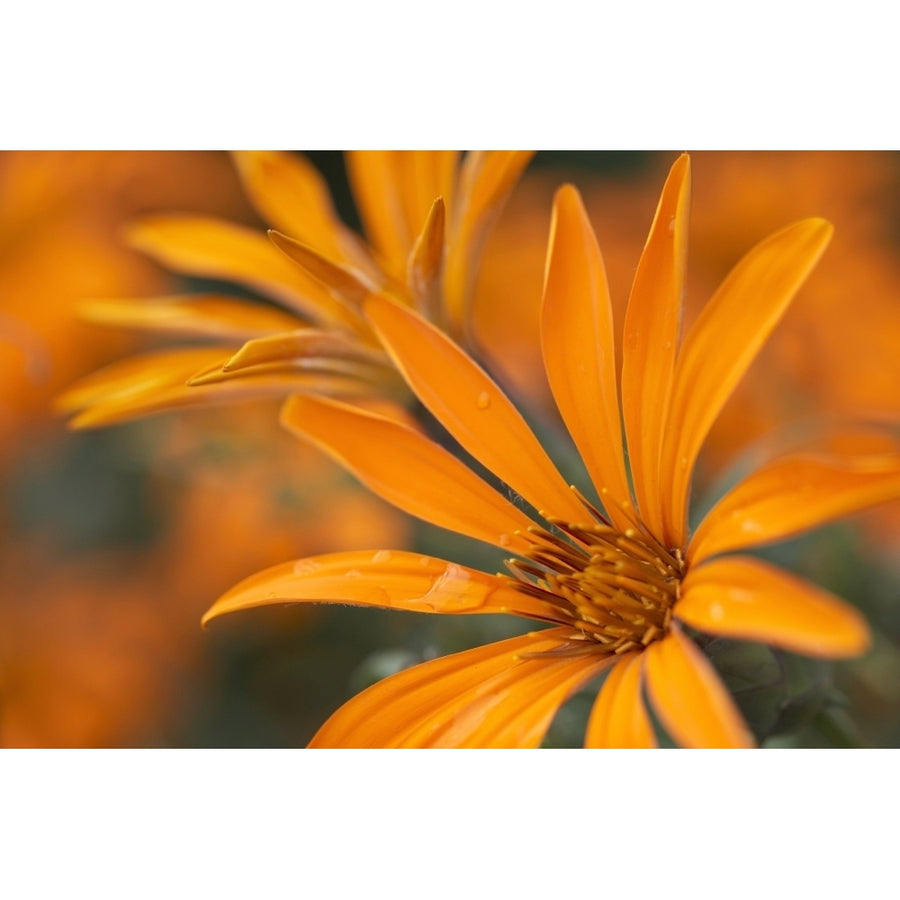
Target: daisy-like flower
column 620, row 580
column 427, row 215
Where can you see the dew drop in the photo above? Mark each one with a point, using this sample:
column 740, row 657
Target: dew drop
column 382, row 556
column 484, row 400
column 353, row 573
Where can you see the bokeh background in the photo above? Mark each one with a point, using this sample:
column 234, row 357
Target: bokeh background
column 114, row 542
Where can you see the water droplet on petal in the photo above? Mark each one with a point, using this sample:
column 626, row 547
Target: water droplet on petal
column 484, row 400
column 382, row 556
column 353, row 573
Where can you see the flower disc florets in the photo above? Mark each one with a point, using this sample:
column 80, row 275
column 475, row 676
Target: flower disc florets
column 616, row 589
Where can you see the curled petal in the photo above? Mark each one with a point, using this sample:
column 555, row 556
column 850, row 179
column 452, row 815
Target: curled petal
column 127, row 385
column 426, row 264
column 284, row 347
column 394, row 190
column 471, row 407
column 409, row 470
column 619, row 717
column 160, row 382
column 688, row 696
column 792, row 495
column 745, row 598
column 388, row 579
column 498, row 695
column 723, row 343
column 351, row 284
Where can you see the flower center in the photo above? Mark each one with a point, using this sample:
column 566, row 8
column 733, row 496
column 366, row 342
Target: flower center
column 615, row 589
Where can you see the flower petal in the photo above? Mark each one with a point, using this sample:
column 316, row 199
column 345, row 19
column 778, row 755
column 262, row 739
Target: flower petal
column 353, row 376
column 619, row 718
column 388, row 579
column 790, row 496
column 302, row 342
column 289, row 193
column 394, row 190
column 426, row 262
column 688, row 696
column 351, row 284
column 196, row 245
column 486, row 181
column 158, row 382
column 471, row 407
column 195, row 315
column 133, row 377
column 745, row 598
column 579, row 351
column 491, row 696
column 723, row 343
column 407, row 469
column 650, row 338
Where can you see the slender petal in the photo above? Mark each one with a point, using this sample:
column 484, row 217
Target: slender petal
column 407, row 469
column 372, row 178
column 579, row 350
column 389, row 579
column 650, row 339
column 486, row 181
column 394, row 190
column 195, row 315
column 360, row 376
column 351, row 284
column 790, row 496
column 619, row 718
column 426, row 263
column 721, row 345
column 688, row 696
column 201, row 246
column 158, row 382
column 286, row 346
column 471, row 407
column 426, row 175
column 289, row 193
column 136, row 374
column 746, row 598
column 491, row 696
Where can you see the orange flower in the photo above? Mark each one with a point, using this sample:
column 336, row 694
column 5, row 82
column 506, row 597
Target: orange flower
column 427, row 215
column 618, row 585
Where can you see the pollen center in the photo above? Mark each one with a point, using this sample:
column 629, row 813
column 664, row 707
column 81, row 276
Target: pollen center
column 615, row 589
